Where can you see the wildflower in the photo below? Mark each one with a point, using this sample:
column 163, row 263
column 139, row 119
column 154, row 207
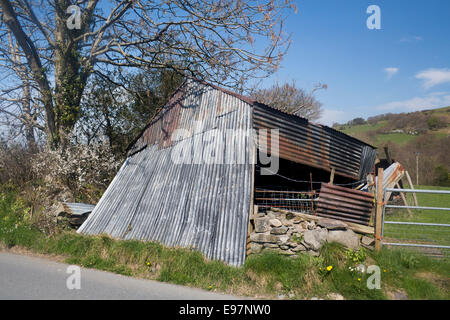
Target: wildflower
column 329, row 268
column 359, row 279
column 384, row 270
column 210, row 287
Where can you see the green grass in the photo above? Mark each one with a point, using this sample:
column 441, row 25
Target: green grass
column 398, row 138
column 264, row 275
column 362, row 128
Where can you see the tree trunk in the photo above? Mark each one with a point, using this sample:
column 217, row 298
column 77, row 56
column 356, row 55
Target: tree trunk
column 27, row 113
column 70, row 76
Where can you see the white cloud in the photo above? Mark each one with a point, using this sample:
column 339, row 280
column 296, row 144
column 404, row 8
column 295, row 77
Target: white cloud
column 330, row 116
column 390, row 71
column 433, row 100
column 411, row 39
column 433, row 77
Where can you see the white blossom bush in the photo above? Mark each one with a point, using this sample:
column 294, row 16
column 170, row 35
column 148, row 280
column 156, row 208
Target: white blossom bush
column 80, row 172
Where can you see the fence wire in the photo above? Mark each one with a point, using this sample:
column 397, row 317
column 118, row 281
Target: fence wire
column 300, row 201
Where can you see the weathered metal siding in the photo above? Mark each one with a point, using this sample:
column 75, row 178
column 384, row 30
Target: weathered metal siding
column 315, row 145
column 77, row 209
column 204, row 206
column 345, row 204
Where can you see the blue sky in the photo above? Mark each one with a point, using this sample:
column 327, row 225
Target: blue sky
column 403, row 67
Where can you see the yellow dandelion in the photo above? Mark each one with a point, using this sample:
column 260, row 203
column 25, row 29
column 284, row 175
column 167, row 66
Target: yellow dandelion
column 359, row 279
column 329, row 268
column 384, row 270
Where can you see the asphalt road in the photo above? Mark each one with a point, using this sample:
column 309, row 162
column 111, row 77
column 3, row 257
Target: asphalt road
column 24, row 277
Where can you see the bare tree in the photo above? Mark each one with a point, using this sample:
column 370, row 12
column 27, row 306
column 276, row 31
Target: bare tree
column 18, row 107
column 210, row 40
column 289, row 98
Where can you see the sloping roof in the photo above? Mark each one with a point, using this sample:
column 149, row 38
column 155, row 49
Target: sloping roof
column 316, row 145
column 204, row 206
column 301, row 140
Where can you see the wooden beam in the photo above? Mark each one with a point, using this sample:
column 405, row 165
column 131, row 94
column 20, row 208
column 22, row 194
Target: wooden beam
column 379, row 210
column 351, row 225
column 408, row 177
column 332, row 176
column 402, row 194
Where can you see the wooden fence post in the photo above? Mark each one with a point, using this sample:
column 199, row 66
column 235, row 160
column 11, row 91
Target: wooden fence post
column 379, row 211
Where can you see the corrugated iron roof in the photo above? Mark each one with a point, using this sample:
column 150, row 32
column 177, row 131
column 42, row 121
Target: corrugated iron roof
column 204, row 206
column 315, row 145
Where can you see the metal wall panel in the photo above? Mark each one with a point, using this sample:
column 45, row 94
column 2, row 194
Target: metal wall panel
column 204, row 206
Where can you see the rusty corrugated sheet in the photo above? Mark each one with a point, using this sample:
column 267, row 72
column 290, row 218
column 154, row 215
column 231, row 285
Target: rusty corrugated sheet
column 204, row 206
column 345, row 204
column 316, row 145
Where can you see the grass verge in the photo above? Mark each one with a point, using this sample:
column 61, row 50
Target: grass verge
column 265, row 275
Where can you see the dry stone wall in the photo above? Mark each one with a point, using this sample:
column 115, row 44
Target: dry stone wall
column 291, row 234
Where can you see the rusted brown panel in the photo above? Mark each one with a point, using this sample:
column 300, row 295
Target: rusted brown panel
column 345, row 204
column 353, row 191
column 219, row 104
column 289, row 150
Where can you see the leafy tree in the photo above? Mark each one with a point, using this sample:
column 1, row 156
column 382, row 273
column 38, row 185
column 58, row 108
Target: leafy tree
column 117, row 113
column 435, row 123
column 356, row 121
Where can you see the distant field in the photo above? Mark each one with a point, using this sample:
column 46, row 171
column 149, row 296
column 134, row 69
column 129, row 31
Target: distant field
column 362, row 128
column 399, row 138
column 367, row 132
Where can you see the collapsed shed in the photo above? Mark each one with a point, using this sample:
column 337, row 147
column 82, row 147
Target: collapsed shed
column 194, row 173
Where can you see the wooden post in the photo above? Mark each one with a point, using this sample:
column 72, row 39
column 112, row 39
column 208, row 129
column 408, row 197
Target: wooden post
column 332, row 176
column 408, row 177
column 379, row 211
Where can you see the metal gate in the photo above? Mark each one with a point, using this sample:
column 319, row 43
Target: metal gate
column 428, row 233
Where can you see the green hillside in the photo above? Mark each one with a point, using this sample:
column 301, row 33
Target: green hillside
column 426, row 132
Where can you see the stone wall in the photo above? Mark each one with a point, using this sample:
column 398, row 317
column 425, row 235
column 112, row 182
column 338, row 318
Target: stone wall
column 290, row 234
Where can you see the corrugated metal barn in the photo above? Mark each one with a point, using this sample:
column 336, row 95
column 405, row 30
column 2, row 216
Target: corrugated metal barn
column 206, row 204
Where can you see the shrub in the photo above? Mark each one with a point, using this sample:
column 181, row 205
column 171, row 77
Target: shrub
column 82, row 170
column 435, row 123
column 442, row 176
